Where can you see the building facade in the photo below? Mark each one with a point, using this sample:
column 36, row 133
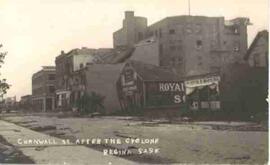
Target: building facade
column 26, row 102
column 43, row 89
column 100, row 79
column 257, row 54
column 66, row 64
column 196, row 44
column 203, row 91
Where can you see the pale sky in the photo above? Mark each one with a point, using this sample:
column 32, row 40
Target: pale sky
column 35, row 31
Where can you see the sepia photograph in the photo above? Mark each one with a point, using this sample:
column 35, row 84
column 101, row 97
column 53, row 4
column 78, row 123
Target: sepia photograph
column 119, row 82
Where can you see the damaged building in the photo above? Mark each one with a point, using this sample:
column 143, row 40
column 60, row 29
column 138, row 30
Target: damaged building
column 192, row 44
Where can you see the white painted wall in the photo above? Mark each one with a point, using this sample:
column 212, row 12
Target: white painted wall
column 81, row 59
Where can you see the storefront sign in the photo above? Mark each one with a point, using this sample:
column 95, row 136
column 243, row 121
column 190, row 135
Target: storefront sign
column 202, row 81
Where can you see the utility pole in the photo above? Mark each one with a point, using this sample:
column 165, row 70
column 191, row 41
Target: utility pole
column 189, row 7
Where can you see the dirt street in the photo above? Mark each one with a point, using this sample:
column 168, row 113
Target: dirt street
column 193, row 142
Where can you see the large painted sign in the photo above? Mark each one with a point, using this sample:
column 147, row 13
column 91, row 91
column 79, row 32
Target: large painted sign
column 164, row 93
column 128, row 81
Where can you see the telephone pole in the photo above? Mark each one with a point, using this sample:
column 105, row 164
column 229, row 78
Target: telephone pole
column 189, row 7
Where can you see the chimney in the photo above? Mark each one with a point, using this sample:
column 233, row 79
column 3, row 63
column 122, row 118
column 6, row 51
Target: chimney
column 62, row 52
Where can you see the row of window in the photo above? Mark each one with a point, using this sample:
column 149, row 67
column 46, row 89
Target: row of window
column 199, row 45
column 188, row 29
column 40, row 90
column 40, row 79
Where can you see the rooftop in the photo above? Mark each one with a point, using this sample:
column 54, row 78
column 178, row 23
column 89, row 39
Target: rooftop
column 150, row 72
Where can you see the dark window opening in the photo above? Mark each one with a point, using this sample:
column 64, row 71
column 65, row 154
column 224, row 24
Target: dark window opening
column 81, row 65
column 161, row 49
column 156, row 33
column 51, row 77
column 198, row 44
column 51, row 89
column 171, row 31
column 172, row 47
column 215, row 69
column 172, row 62
column 140, row 36
column 160, row 33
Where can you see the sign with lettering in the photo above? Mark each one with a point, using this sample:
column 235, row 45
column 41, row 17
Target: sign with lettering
column 173, row 87
column 202, row 81
column 164, row 93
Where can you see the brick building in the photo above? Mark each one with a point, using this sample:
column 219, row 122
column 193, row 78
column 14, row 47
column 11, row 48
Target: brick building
column 192, row 44
column 26, row 102
column 66, row 64
column 69, row 65
column 43, row 89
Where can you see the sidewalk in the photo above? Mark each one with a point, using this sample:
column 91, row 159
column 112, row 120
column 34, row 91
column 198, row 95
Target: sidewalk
column 54, row 154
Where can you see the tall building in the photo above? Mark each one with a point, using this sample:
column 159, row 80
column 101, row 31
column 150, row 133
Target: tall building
column 132, row 31
column 43, row 89
column 194, row 44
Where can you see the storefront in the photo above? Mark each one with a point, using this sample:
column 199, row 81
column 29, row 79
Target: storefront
column 203, row 92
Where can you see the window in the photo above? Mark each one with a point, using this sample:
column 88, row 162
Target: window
column 179, row 47
column 198, row 28
column 172, row 62
column 236, row 30
column 51, row 89
column 140, row 36
column 160, row 33
column 236, row 46
column 172, row 47
column 179, row 60
column 51, row 76
column 171, row 31
column 188, row 29
column 198, row 44
column 81, row 65
column 160, row 49
column 215, row 69
column 236, row 49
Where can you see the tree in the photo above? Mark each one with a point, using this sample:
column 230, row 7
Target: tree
column 4, row 86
